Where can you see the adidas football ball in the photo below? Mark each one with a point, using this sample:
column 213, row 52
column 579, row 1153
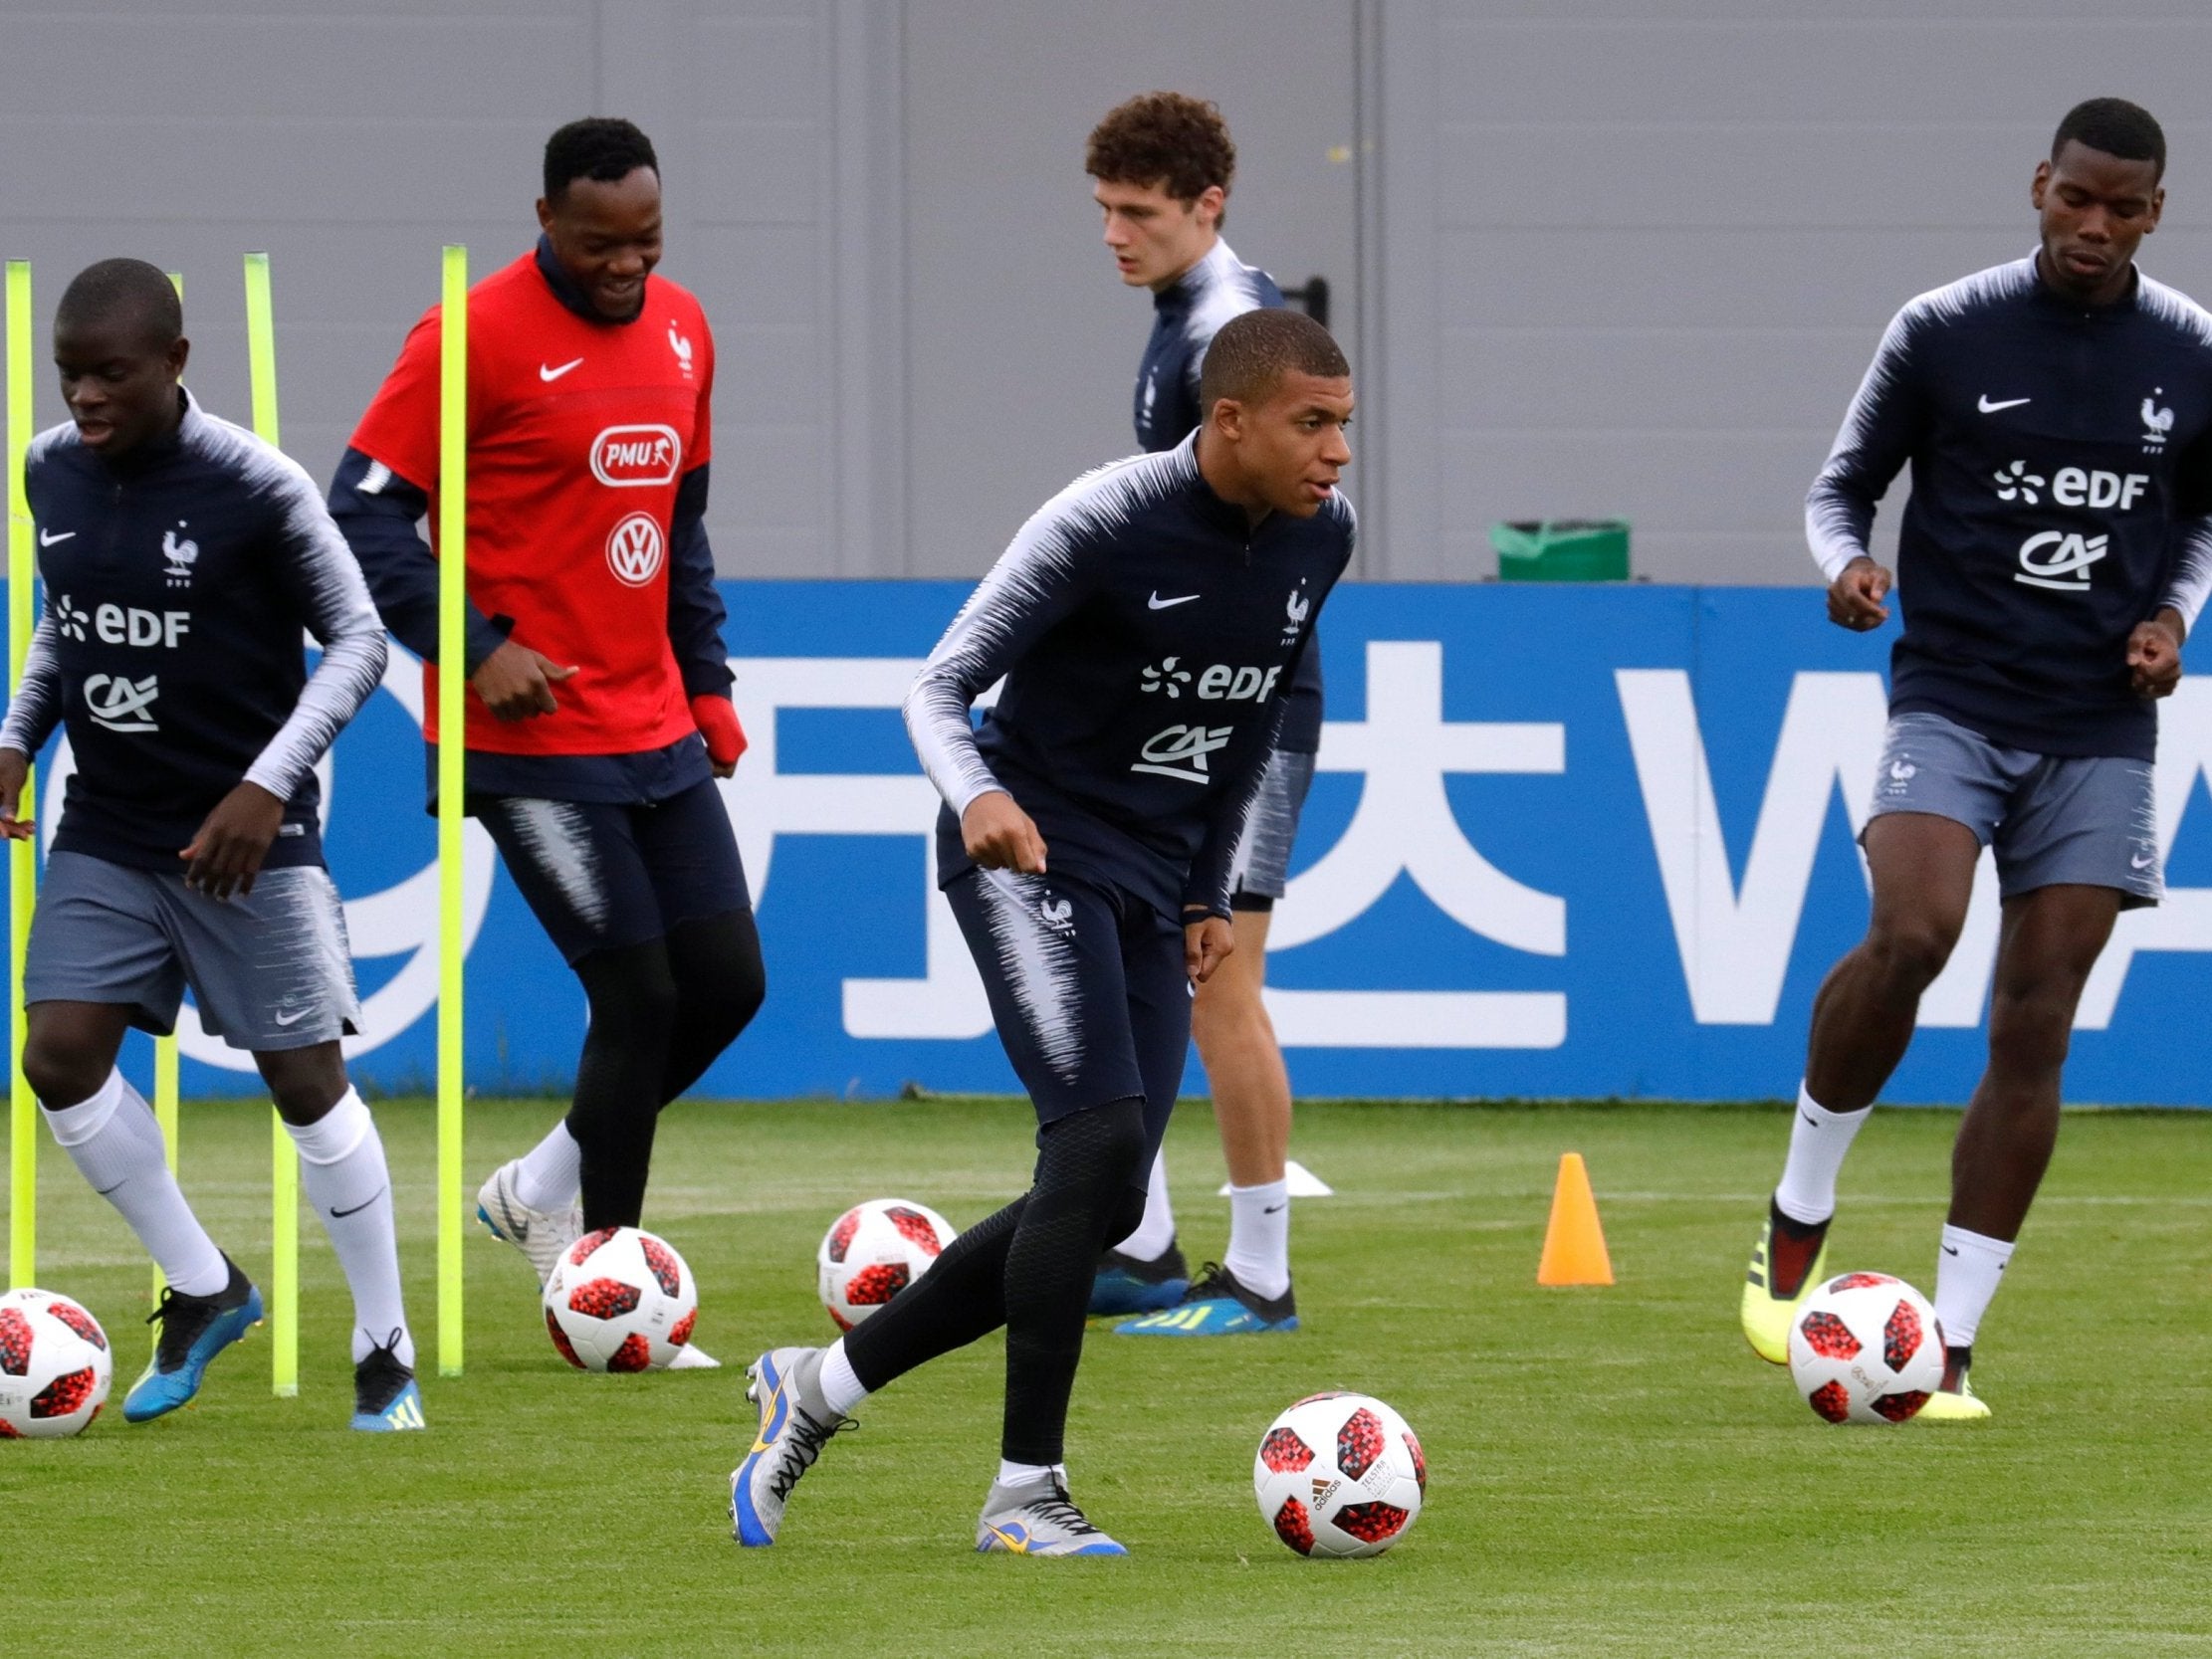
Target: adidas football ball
column 874, row 1251
column 1340, row 1475
column 620, row 1300
column 1865, row 1348
column 55, row 1367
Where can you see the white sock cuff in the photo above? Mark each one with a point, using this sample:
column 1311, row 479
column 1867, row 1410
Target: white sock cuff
column 1020, row 1474
column 839, row 1382
column 1806, row 1101
column 73, row 1125
column 1265, row 1191
column 338, row 1133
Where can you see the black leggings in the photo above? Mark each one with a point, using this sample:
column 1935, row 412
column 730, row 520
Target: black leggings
column 661, row 1011
column 1029, row 1268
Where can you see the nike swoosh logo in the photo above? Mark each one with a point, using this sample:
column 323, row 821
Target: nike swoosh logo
column 46, row 540
column 1810, row 1119
column 102, row 1192
column 1950, row 1249
column 340, row 1215
column 545, row 373
column 1275, row 1209
column 291, row 1019
column 2141, row 863
column 1157, row 603
column 1989, row 408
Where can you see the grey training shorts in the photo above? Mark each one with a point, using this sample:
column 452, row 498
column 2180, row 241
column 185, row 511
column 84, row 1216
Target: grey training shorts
column 1262, row 865
column 268, row 970
column 2053, row 819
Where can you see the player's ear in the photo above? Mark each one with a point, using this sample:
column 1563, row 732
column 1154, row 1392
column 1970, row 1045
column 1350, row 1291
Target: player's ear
column 1227, row 417
column 173, row 359
column 1211, row 203
column 2041, row 184
column 544, row 214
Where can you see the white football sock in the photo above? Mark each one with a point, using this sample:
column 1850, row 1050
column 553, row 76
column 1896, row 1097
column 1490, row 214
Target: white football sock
column 1020, row 1474
column 1818, row 1138
column 1968, row 1266
column 116, row 1145
column 343, row 1172
column 1260, row 1237
column 840, row 1385
column 551, row 1172
column 1155, row 1234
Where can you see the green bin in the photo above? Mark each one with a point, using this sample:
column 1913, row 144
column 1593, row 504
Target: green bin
column 1562, row 550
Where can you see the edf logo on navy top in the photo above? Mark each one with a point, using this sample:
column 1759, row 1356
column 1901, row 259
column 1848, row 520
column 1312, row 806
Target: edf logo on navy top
column 2045, row 441
column 1144, row 627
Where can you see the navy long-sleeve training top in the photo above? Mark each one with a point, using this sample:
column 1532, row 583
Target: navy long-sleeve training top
column 179, row 580
column 1144, row 628
column 2051, row 447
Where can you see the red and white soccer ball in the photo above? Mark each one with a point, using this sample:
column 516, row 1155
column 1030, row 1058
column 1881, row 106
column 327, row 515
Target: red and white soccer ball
column 1865, row 1347
column 1340, row 1475
column 874, row 1251
column 55, row 1367
column 620, row 1300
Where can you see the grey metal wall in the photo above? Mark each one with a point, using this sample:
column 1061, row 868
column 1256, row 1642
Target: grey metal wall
column 353, row 137
column 1592, row 256
column 1638, row 253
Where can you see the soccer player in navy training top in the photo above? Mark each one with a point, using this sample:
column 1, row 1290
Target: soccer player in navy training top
column 2049, row 568
column 1162, row 165
column 599, row 714
column 181, row 558
column 1145, row 620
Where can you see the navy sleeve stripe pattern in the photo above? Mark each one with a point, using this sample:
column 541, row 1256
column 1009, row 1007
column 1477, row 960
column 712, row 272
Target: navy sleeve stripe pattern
column 1869, row 448
column 37, row 706
column 1034, row 584
column 1231, row 288
column 338, row 612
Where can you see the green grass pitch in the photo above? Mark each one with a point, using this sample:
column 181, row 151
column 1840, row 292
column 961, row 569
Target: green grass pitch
column 1610, row 1471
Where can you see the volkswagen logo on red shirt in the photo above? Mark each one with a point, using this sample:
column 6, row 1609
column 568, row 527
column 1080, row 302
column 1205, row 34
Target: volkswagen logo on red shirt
column 636, row 456
column 634, row 549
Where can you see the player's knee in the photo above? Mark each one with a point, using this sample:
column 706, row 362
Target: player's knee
column 2031, row 1025
column 1910, row 950
column 633, row 994
column 60, row 1074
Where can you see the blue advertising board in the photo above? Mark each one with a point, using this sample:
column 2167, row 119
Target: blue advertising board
column 1564, row 842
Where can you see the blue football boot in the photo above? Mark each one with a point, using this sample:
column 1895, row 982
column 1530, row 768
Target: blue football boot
column 386, row 1398
column 1217, row 1305
column 194, row 1328
column 1131, row 1285
column 784, row 1387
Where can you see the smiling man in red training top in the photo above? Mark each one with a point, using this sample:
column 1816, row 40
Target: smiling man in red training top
column 600, row 713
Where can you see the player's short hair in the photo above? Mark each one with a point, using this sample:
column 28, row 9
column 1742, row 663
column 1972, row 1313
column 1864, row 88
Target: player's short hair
column 601, row 147
column 1253, row 352
column 2115, row 126
column 1179, row 143
column 125, row 288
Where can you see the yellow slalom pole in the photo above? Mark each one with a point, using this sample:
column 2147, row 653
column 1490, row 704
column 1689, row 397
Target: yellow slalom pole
column 453, row 460
column 23, row 867
column 164, row 1047
column 284, row 1158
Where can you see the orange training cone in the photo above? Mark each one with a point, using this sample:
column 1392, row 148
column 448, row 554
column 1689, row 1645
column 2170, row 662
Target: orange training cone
column 1574, row 1243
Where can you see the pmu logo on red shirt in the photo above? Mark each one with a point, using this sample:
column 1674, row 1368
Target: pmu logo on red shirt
column 634, row 549
column 636, row 456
